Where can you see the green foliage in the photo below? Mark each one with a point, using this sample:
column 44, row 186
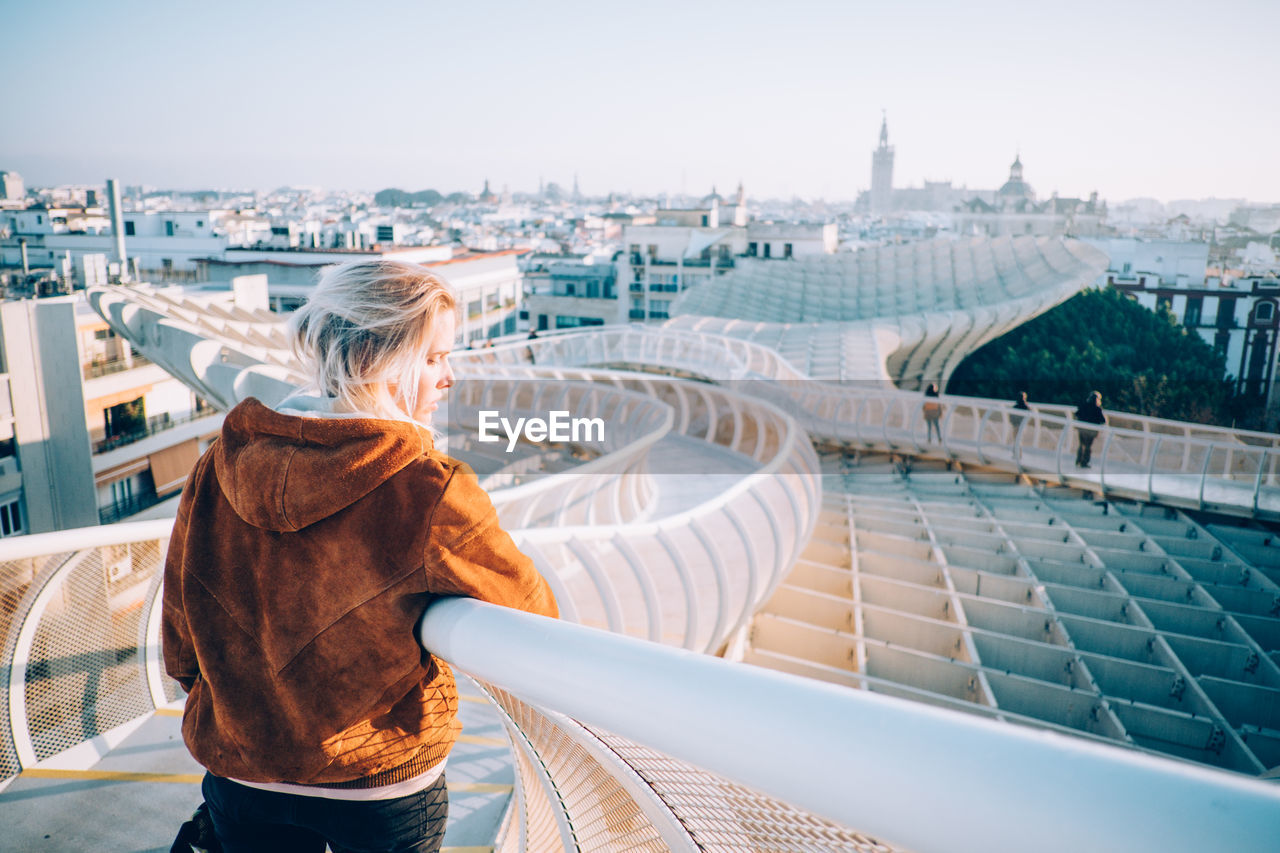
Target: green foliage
column 1142, row 362
column 399, row 198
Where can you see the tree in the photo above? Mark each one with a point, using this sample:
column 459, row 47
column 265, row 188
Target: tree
column 392, row 198
column 1142, row 361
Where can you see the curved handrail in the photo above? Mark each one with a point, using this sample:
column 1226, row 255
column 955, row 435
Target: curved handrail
column 1032, row 792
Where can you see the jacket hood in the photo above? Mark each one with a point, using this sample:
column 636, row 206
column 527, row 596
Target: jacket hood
column 282, row 472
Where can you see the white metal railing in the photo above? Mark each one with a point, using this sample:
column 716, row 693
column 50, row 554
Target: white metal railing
column 1147, row 459
column 896, row 770
column 907, row 773
column 81, row 655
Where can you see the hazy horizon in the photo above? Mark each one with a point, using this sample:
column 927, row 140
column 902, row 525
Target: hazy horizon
column 1140, row 100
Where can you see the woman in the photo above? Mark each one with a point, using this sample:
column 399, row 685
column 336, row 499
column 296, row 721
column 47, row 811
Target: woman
column 308, row 540
column 932, row 410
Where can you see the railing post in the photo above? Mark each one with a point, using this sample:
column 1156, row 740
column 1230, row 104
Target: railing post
column 1204, row 472
column 1102, row 468
column 982, row 428
column 1151, row 469
column 1062, row 439
column 1257, row 481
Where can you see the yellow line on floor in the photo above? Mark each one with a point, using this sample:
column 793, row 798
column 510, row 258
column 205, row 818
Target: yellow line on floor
column 466, row 850
column 479, row 788
column 112, row 776
column 195, row 778
column 483, row 741
column 168, row 712
column 479, row 700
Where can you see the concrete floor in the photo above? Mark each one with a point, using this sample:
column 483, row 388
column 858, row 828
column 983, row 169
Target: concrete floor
column 135, row 798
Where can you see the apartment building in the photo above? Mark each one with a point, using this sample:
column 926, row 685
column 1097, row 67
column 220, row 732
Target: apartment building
column 488, row 284
column 90, row 431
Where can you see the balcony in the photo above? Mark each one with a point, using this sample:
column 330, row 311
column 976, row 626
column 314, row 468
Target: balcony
column 94, row 369
column 132, row 505
column 155, row 424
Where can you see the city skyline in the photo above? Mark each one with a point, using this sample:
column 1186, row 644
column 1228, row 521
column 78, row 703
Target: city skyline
column 1143, row 100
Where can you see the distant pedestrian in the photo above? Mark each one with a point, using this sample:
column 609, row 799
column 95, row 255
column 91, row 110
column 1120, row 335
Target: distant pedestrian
column 1090, row 412
column 932, row 411
column 1016, row 417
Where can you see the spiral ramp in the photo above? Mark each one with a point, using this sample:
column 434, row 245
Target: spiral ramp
column 764, row 493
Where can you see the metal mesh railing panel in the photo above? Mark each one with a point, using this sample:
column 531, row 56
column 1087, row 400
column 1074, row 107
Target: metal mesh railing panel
column 724, row 816
column 538, row 825
column 19, row 582
column 716, row 814
column 603, row 816
column 84, row 675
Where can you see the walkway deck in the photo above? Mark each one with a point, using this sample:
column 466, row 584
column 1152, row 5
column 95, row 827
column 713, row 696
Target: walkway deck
column 135, row 797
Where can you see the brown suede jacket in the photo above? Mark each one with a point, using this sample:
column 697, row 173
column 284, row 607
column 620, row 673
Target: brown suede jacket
column 303, row 554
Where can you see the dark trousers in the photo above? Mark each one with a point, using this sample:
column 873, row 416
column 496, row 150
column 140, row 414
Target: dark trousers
column 1084, row 452
column 249, row 820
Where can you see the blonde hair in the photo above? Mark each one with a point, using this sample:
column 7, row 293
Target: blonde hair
column 362, row 331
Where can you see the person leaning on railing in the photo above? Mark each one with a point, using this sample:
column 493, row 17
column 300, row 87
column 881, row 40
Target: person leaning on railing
column 1090, row 412
column 308, row 541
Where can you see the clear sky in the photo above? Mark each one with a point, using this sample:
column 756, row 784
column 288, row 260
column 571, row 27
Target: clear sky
column 1160, row 98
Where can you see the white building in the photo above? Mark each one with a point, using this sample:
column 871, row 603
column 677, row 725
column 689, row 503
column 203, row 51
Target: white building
column 688, row 248
column 159, row 244
column 1014, row 211
column 90, row 431
column 12, row 189
column 489, row 284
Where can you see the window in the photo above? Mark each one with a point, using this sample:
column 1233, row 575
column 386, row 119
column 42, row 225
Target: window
column 129, row 228
column 39, row 220
column 166, row 265
column 1164, row 303
column 786, row 250
column 705, row 220
column 125, row 419
column 168, row 228
column 103, row 334
column 1226, row 312
column 570, row 289
column 1263, row 312
column 1220, row 342
column 1195, row 305
column 199, row 223
column 768, row 250
column 563, row 322
column 10, row 518
column 653, row 250
column 593, row 289
column 752, row 249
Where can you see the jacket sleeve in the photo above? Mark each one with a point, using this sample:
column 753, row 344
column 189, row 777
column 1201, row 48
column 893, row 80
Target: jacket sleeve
column 468, row 553
column 175, row 632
